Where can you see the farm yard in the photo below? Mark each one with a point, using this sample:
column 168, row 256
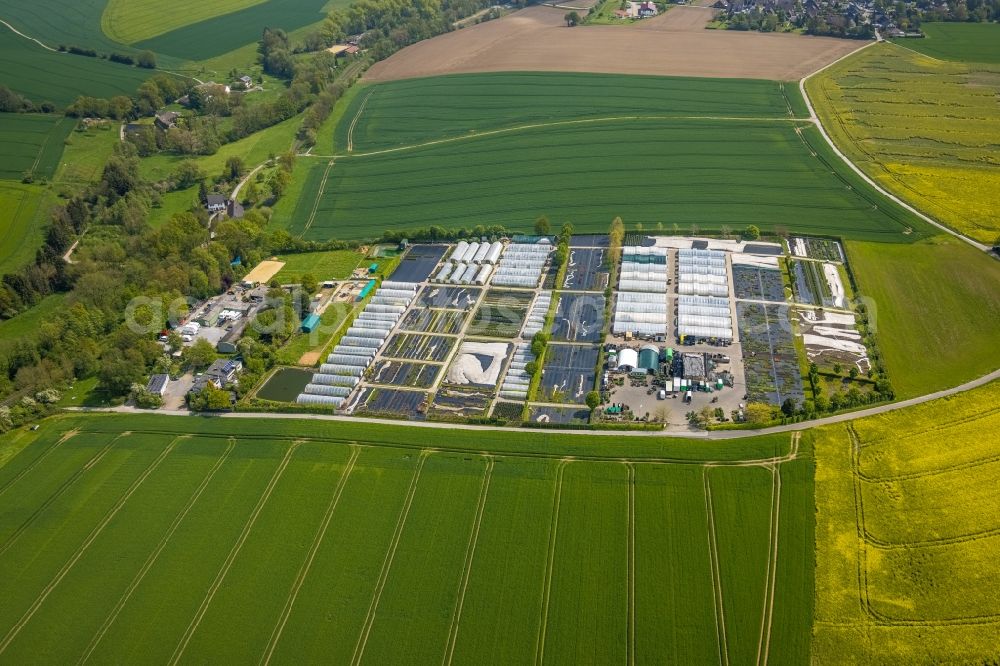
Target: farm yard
column 775, row 174
column 912, row 521
column 536, row 39
column 340, row 529
column 931, row 143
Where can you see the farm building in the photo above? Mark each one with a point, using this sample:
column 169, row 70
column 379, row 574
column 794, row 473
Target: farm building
column 628, row 360
column 641, row 306
column 522, row 263
column 310, row 323
column 157, row 384
column 215, row 203
column 649, row 358
column 704, row 318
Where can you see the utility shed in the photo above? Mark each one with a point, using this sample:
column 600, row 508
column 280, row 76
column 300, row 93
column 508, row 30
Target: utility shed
column 649, row 357
column 310, row 323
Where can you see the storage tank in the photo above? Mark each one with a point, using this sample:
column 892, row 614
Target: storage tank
column 628, row 360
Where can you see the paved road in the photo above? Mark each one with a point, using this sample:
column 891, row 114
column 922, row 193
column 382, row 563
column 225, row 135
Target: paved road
column 688, row 434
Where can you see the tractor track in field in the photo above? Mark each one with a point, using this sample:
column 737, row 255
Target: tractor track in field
column 565, row 123
column 57, row 493
column 300, row 577
column 319, row 196
column 767, row 616
column 231, row 557
column 470, row 554
column 34, row 463
column 713, row 550
column 151, row 560
column 550, row 561
column 630, row 652
column 359, row 647
column 82, row 549
column 354, row 121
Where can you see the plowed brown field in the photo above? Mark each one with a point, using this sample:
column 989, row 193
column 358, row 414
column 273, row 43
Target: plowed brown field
column 674, row 44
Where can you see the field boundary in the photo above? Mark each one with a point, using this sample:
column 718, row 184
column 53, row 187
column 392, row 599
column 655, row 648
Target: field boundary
column 34, row 463
column 713, row 551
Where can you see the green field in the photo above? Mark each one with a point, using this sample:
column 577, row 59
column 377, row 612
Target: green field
column 25, row 325
column 218, row 35
column 457, row 151
column 42, row 75
column 129, row 21
column 23, row 212
column 907, row 535
column 409, row 112
column 685, row 172
column 384, row 544
column 936, row 305
column 32, row 143
column 962, row 42
column 56, row 22
column 925, row 130
column 321, row 265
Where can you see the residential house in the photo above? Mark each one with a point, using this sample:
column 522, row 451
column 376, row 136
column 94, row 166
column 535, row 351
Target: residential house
column 215, row 203
column 166, row 119
column 221, row 373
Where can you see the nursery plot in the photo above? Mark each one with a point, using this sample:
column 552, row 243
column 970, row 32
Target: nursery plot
column 769, row 357
column 390, row 402
column 462, row 402
column 403, row 373
column 832, row 338
column 758, row 284
column 509, row 411
column 579, row 318
column 816, row 283
column 417, row 347
column 501, row 314
column 586, row 270
column 419, row 263
column 458, row 298
column 567, row 415
column 569, row 373
column 816, row 248
column 424, row 320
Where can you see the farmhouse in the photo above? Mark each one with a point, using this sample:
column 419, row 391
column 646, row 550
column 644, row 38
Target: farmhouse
column 219, row 374
column 215, row 203
column 166, row 119
column 641, row 10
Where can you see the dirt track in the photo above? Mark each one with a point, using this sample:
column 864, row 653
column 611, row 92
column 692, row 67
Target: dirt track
column 537, row 39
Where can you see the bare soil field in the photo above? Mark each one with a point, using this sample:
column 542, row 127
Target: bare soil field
column 537, row 39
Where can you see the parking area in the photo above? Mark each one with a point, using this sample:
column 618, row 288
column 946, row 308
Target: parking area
column 579, row 318
column 585, row 270
column 568, row 374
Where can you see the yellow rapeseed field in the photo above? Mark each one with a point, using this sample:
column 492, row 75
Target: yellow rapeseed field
column 925, row 129
column 908, row 535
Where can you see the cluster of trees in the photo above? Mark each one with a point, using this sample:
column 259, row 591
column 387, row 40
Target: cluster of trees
column 150, row 96
column 125, row 281
column 12, row 102
column 144, row 59
column 837, row 26
column 437, row 233
column 28, row 409
column 909, row 16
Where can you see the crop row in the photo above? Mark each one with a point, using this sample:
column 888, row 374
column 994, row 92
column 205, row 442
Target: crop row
column 370, row 552
column 704, row 173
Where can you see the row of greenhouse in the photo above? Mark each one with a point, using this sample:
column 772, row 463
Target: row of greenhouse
column 462, row 273
column 515, row 384
column 702, row 273
column 476, row 253
column 641, row 305
column 704, row 318
column 535, row 320
column 522, row 264
column 345, row 365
